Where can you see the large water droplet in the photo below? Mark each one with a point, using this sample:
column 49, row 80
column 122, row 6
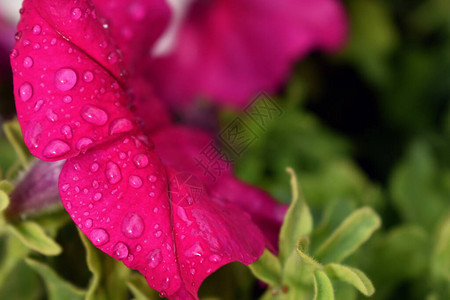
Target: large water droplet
column 132, row 226
column 140, row 160
column 75, row 13
column 135, row 181
column 26, row 91
column 113, row 173
column 120, row 126
column 83, row 143
column 56, row 148
column 120, row 251
column 28, row 62
column 94, row 115
column 194, row 250
column 33, row 133
column 154, row 258
column 99, row 236
column 65, row 79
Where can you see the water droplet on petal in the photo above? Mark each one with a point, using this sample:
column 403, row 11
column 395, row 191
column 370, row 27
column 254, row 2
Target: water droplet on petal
column 132, row 226
column 112, row 57
column 75, row 13
column 83, row 143
column 113, row 173
column 28, row 62
column 215, row 258
column 192, row 271
column 154, row 258
column 13, row 53
column 152, row 178
column 65, row 79
column 194, row 250
column 158, row 233
column 18, row 35
column 56, row 148
column 51, row 116
column 120, row 126
column 88, row 223
column 94, row 115
column 99, row 236
column 67, row 131
column 67, row 99
column 97, row 196
column 165, row 283
column 36, row 29
column 135, row 181
column 94, row 167
column 26, row 91
column 140, row 160
column 120, row 251
column 88, row 76
column 38, row 105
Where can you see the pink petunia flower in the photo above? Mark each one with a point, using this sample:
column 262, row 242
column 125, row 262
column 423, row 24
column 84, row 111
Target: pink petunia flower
column 230, row 50
column 80, row 96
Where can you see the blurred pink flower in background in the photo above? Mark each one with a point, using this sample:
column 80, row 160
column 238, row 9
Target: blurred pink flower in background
column 229, row 50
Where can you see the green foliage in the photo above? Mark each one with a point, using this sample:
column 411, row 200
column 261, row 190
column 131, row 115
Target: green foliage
column 56, row 287
column 294, row 273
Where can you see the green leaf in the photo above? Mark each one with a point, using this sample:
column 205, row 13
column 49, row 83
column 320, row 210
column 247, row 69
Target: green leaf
column 140, row 289
column 347, row 238
column 297, row 222
column 57, row 288
column 109, row 276
column 4, row 200
column 415, row 187
column 351, row 276
column 6, row 186
column 95, row 266
column 400, row 255
column 323, row 289
column 14, row 135
column 13, row 252
column 267, row 268
column 301, row 246
column 33, row 236
column 441, row 254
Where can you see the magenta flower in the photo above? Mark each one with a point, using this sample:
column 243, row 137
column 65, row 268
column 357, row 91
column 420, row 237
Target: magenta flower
column 238, row 48
column 77, row 83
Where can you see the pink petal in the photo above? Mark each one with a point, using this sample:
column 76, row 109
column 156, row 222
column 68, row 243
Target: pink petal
column 238, row 48
column 149, row 111
column 265, row 211
column 182, row 147
column 117, row 195
column 135, row 25
column 66, row 101
column 179, row 147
